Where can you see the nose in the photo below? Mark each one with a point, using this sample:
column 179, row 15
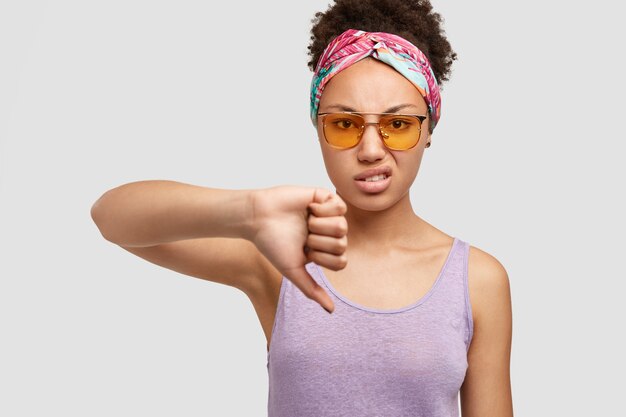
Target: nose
column 371, row 146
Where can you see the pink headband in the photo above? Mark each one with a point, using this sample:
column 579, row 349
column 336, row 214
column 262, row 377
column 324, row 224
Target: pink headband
column 353, row 45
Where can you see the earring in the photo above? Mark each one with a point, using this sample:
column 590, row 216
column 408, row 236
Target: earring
column 427, row 144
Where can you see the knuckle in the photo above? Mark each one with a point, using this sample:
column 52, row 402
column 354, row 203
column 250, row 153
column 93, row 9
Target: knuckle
column 308, row 292
column 341, row 228
column 312, row 210
column 312, row 289
column 341, row 204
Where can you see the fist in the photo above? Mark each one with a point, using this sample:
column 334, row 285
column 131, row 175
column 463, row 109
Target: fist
column 297, row 225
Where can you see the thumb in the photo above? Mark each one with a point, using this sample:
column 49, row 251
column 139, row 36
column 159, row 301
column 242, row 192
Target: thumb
column 310, row 288
column 321, row 195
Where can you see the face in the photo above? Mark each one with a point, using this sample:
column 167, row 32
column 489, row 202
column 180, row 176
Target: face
column 372, row 86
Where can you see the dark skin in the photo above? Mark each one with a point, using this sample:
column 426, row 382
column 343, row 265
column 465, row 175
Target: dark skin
column 386, row 239
column 370, row 246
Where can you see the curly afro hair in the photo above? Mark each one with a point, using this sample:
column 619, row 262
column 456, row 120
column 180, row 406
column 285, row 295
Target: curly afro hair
column 414, row 20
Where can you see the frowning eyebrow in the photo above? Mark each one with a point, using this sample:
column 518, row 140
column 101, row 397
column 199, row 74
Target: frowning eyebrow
column 389, row 110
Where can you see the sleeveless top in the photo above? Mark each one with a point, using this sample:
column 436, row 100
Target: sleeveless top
column 362, row 361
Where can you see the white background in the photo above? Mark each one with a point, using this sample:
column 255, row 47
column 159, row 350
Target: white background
column 526, row 164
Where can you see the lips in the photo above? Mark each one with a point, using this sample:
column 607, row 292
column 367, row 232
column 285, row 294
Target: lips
column 373, row 171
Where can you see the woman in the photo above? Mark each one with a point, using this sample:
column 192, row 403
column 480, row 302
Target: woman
column 417, row 316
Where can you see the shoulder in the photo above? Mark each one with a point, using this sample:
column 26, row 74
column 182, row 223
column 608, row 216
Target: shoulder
column 488, row 283
column 489, row 353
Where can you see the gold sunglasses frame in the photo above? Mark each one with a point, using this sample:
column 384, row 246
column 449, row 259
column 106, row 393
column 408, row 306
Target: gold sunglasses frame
column 419, row 117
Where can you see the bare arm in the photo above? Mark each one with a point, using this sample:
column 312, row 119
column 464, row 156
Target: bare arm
column 148, row 213
column 246, row 239
column 196, row 231
column 486, row 391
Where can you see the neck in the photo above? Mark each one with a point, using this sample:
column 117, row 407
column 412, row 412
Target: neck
column 381, row 230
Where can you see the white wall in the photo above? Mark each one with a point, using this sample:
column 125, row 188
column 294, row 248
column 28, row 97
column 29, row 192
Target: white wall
column 526, row 164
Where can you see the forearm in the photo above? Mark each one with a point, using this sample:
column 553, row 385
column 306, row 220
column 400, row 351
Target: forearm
column 147, row 213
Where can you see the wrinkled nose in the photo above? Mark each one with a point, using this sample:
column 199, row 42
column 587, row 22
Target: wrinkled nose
column 371, row 146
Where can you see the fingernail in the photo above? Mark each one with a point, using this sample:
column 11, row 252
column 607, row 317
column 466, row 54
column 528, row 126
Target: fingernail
column 329, row 312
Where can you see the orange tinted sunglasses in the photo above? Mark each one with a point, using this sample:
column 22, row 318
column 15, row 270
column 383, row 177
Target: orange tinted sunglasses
column 344, row 130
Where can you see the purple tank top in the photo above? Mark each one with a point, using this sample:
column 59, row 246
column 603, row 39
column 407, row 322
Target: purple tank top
column 361, row 361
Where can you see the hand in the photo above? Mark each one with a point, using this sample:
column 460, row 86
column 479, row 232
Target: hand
column 297, row 225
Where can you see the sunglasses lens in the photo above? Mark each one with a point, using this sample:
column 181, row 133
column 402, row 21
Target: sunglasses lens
column 342, row 130
column 400, row 132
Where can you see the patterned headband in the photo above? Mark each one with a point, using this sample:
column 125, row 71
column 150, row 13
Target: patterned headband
column 353, row 45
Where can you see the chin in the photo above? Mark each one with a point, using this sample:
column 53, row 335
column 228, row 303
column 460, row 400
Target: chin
column 366, row 205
